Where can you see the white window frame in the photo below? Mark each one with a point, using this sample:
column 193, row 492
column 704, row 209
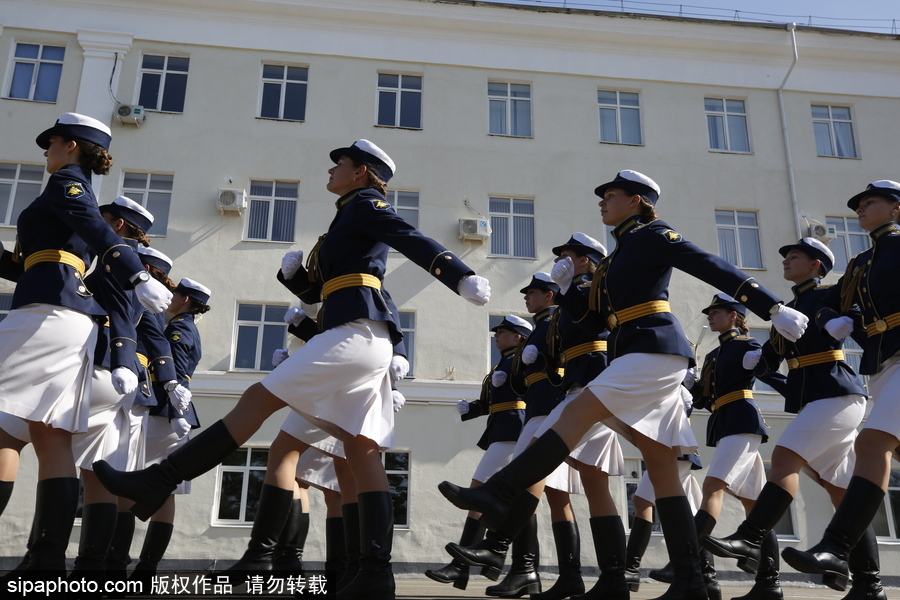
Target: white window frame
column 737, row 228
column 402, row 200
column 724, row 115
column 38, row 64
column 9, row 219
column 844, row 235
column 507, row 220
column 634, row 471
column 619, row 110
column 400, row 92
column 257, row 200
column 409, row 340
column 241, row 523
column 284, row 82
column 141, row 195
column 830, row 121
column 164, row 75
column 406, row 472
column 509, row 102
column 238, row 322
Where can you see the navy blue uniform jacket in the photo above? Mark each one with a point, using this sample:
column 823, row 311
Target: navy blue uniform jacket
column 505, row 425
column 570, row 333
column 541, row 397
column 184, row 340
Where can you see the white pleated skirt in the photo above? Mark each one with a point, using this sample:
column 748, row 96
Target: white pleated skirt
column 737, row 462
column 159, row 442
column 691, row 488
column 301, row 429
column 46, row 363
column 494, row 458
column 107, row 432
column 15, row 426
column 317, row 469
column 884, row 389
column 339, row 381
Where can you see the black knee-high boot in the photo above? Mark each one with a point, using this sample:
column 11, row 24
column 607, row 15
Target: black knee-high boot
column 568, row 554
column 156, row 541
column 117, row 556
column 684, row 552
column 850, row 521
column 767, row 586
column 288, row 554
column 522, row 577
column 865, row 565
column 375, row 579
column 493, row 498
column 98, row 522
column 351, row 543
column 335, row 548
column 6, row 488
column 638, row 540
column 150, row 488
column 704, row 524
column 609, row 544
column 271, row 517
column 457, row 572
column 745, row 543
column 54, row 515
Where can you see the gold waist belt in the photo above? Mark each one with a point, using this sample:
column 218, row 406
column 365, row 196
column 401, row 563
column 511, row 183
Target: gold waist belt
column 351, row 280
column 57, row 256
column 815, row 359
column 511, row 405
column 881, row 325
column 535, row 377
column 582, row 349
column 732, row 397
column 635, row 312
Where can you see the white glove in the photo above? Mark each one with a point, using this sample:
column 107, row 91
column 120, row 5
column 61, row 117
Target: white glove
column 562, row 273
column 529, row 354
column 687, row 400
column 399, row 400
column 294, row 315
column 180, row 426
column 180, row 397
column 690, row 378
column 839, row 327
column 498, row 378
column 398, row 369
column 291, row 263
column 279, row 356
column 462, row 407
column 789, row 322
column 124, row 380
column 475, row 289
column 751, row 359
column 153, row 295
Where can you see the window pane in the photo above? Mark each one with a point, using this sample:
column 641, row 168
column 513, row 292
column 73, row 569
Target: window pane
column 523, row 244
column 21, row 81
column 158, row 205
column 261, row 188
column 259, row 457
column 27, row 50
column 724, row 217
column 388, row 80
column 387, row 107
column 843, row 138
column 605, row 97
column 284, row 189
column 409, row 339
column 271, row 101
column 297, row 73
column 750, row 253
column 746, row 219
column 523, row 207
column 410, row 216
column 411, row 109
column 273, row 71
column 823, row 139
column 820, row 112
column 250, row 312
column 500, row 235
column 283, row 221
column 53, row 53
column 399, row 485
column 258, row 223
column 734, row 106
column 497, row 89
column 149, row 96
column 238, row 458
column 407, row 320
column 254, row 487
column 737, row 134
column 396, row 461
column 47, row 82
column 629, row 99
column 134, row 180
column 631, row 125
column 161, row 182
column 498, row 204
column 245, row 351
column 408, row 199
column 178, row 63
column 608, row 131
column 518, row 90
column 295, row 102
column 275, row 313
column 152, row 61
column 840, row 112
column 497, row 110
column 715, row 125
column 412, row 82
column 713, row 105
column 173, row 95
column 230, row 495
column 727, row 245
column 273, row 339
column 521, row 118
column 5, row 192
column 858, row 243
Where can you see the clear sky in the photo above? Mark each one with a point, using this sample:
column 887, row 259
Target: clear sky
column 882, row 16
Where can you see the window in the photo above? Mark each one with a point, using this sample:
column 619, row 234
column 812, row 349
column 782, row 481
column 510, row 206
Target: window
column 163, row 83
column 240, row 478
column 834, row 131
column 5, row 305
column 283, row 93
column 19, row 186
column 634, row 470
column 620, row 117
column 851, row 240
column 36, row 72
column 273, row 211
column 509, row 107
column 887, row 520
column 738, row 234
column 762, row 336
column 726, row 123
column 153, row 192
column 260, row 331
column 400, row 100
column 512, row 222
column 396, row 465
column 785, row 526
column 406, row 204
column 408, row 328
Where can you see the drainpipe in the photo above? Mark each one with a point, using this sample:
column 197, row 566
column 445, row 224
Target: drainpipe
column 792, row 27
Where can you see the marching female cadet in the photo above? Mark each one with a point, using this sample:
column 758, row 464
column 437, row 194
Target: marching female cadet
column 506, row 416
column 630, row 297
column 870, row 281
column 830, row 404
column 46, row 341
column 339, row 379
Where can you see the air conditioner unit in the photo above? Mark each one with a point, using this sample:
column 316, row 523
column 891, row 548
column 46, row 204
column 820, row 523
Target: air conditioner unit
column 231, row 199
column 823, row 233
column 130, row 113
column 474, row 229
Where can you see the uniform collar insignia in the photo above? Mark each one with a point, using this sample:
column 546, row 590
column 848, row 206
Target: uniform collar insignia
column 886, row 229
column 507, row 352
column 805, row 286
column 626, row 226
column 542, row 314
column 343, row 200
column 730, row 334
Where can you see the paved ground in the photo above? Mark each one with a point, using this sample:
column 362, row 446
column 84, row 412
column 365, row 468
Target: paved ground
column 426, row 589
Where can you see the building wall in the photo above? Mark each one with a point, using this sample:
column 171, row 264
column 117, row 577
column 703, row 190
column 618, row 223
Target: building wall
column 566, row 56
